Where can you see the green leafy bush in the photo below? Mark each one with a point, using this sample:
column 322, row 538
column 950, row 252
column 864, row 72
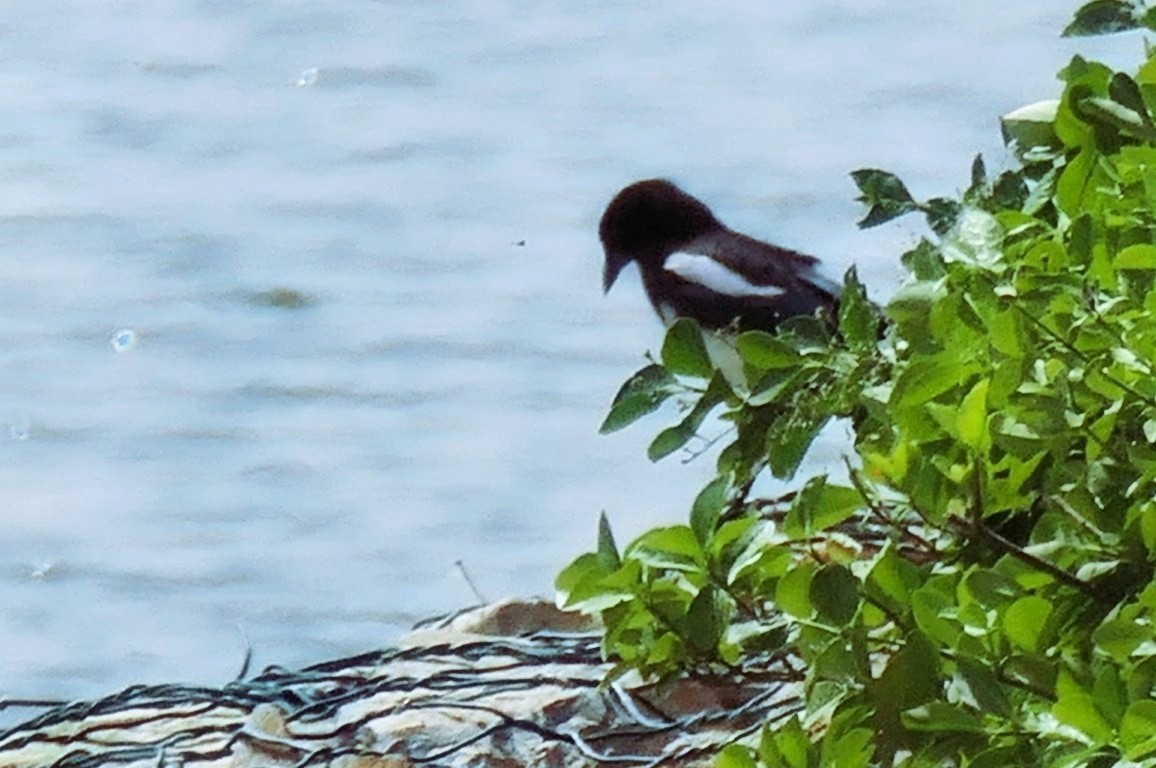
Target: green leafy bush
column 983, row 592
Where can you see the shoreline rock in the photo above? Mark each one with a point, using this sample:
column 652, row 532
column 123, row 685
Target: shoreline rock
column 508, row 684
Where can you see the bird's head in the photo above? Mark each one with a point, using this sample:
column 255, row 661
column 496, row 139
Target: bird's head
column 647, row 221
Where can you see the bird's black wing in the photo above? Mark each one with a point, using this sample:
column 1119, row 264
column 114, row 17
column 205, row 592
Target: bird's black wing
column 723, row 276
column 763, row 264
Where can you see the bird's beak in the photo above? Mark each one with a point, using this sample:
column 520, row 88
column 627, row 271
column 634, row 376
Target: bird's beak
column 610, row 271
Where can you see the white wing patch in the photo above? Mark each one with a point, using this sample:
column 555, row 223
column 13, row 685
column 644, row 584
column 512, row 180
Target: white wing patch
column 711, row 274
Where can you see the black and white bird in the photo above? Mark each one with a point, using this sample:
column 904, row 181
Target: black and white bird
column 694, row 266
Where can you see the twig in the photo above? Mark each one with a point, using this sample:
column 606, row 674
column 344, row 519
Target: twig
column 1010, row 548
column 473, row 587
column 1082, row 355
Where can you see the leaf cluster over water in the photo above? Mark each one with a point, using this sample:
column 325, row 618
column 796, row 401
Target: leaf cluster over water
column 982, row 592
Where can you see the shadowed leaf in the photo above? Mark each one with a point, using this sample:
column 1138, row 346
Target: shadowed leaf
column 642, row 394
column 884, row 194
column 683, row 351
column 1103, row 17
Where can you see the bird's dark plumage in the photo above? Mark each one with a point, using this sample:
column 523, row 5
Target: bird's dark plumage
column 694, row 266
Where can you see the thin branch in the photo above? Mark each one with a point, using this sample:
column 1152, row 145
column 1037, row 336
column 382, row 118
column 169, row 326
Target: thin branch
column 1059, row 574
column 1083, row 356
column 1004, row 677
column 461, row 566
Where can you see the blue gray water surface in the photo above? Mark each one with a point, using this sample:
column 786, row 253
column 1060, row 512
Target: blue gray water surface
column 300, row 301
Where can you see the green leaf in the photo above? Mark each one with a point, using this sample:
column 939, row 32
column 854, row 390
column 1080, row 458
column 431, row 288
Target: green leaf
column 1006, row 331
column 820, row 506
column 1010, row 191
column 1076, row 707
column 775, row 385
column 767, row 352
column 788, row 440
column 1074, row 183
column 991, row 589
column 1110, row 694
column 673, row 547
column 833, row 656
column 1120, row 637
column 735, row 756
column 584, row 585
column 835, row 594
column 684, row 352
column 924, row 262
column 985, row 687
column 971, row 421
column 858, row 317
column 916, row 672
column 642, row 394
column 760, row 560
column 1102, row 17
column 931, row 606
column 942, row 214
column 885, row 195
column 910, row 679
column 787, row 747
column 669, row 440
column 911, row 305
column 753, row 637
column 892, row 579
column 978, row 174
column 741, row 534
column 1082, row 238
column 706, row 620
column 793, row 592
column 926, row 379
column 607, row 549
column 853, row 748
column 1026, row 622
column 1138, row 730
column 1031, row 125
column 1141, row 256
column 1041, row 193
column 708, row 507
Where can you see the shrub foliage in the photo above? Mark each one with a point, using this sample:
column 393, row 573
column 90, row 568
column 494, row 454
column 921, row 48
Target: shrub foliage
column 982, row 591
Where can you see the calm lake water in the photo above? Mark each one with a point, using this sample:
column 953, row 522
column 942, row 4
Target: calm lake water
column 301, row 301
